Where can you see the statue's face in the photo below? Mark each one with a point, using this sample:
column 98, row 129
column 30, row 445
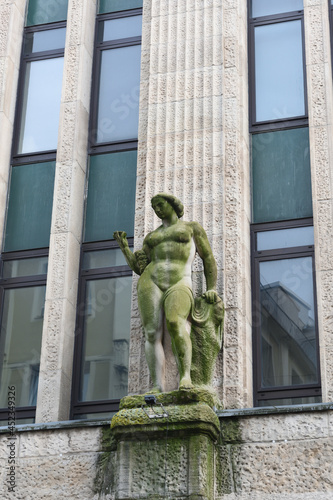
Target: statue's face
column 162, row 208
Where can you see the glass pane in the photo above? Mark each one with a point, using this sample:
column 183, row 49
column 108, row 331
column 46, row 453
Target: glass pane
column 118, row 106
column 41, row 105
column 46, row 11
column 19, row 421
column 279, row 71
column 281, row 175
column 103, row 258
column 30, row 207
column 125, row 27
column 285, row 238
column 117, row 5
column 106, row 339
column 291, row 401
column 288, row 334
column 45, row 40
column 268, row 8
column 21, row 335
column 95, row 416
column 111, row 195
column 25, row 267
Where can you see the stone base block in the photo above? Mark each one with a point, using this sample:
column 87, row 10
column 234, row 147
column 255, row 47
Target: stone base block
column 165, row 457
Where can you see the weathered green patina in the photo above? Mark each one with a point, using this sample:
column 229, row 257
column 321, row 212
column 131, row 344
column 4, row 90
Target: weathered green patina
column 165, row 289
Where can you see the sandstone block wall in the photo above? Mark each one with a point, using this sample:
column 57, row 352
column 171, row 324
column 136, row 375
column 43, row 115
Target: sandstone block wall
column 258, row 457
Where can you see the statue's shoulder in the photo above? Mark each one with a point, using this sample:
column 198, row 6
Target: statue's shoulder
column 150, row 238
column 195, row 226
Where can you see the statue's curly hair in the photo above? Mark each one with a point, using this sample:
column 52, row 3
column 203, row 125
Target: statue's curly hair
column 174, row 202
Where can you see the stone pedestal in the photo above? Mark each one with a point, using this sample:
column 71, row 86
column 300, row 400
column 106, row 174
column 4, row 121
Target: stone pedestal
column 170, row 456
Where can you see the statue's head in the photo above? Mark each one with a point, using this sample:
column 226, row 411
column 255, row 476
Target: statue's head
column 172, row 200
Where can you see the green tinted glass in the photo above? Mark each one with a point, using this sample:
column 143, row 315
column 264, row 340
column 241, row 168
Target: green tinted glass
column 117, row 5
column 46, row 11
column 21, row 330
column 106, row 339
column 281, row 175
column 30, row 207
column 111, row 195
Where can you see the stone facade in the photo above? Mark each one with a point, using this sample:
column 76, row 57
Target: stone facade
column 277, row 456
column 193, row 142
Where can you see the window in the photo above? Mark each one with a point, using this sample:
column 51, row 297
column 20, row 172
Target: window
column 22, row 295
column 38, row 106
column 29, row 207
column 285, row 337
column 104, row 303
column 277, row 73
column 284, row 312
column 104, row 311
column 115, row 106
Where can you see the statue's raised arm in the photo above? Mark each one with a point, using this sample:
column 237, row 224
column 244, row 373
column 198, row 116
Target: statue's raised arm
column 138, row 260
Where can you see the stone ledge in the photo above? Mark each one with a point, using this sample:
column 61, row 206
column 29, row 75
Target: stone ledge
column 186, row 419
column 272, row 410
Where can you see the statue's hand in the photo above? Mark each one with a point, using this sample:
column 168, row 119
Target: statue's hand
column 141, row 259
column 120, row 236
column 210, row 296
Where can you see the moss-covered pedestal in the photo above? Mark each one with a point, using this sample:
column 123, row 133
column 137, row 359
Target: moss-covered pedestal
column 169, row 457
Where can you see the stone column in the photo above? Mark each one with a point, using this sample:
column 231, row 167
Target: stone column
column 182, row 149
column 55, row 377
column 320, row 96
column 11, row 33
column 237, row 385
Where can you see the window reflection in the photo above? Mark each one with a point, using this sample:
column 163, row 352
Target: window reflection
column 124, row 27
column 279, row 71
column 118, row 107
column 21, row 334
column 41, row 41
column 106, row 339
column 288, row 333
column 41, row 106
column 268, row 8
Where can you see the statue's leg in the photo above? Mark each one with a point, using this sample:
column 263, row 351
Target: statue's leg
column 177, row 307
column 151, row 311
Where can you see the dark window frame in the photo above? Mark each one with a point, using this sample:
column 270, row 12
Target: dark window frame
column 23, row 412
column 78, row 407
column 297, row 391
column 108, row 146
column 36, row 156
column 284, row 123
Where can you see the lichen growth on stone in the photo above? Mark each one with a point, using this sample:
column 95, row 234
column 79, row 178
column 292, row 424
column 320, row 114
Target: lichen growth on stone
column 104, row 480
column 204, row 394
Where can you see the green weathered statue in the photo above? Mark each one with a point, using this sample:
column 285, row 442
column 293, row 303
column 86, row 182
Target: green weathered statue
column 165, row 289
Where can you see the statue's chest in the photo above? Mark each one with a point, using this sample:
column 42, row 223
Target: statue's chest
column 174, row 234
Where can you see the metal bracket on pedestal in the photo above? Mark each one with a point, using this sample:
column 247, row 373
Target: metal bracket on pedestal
column 151, row 402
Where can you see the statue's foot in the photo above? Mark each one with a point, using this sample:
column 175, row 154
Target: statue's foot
column 185, row 383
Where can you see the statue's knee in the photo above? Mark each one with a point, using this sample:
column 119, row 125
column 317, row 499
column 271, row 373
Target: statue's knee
column 150, row 335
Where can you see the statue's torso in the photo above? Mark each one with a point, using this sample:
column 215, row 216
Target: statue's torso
column 172, row 250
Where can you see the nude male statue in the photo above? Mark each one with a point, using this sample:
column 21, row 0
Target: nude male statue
column 165, row 285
